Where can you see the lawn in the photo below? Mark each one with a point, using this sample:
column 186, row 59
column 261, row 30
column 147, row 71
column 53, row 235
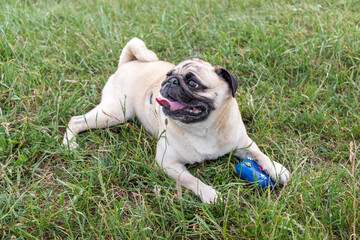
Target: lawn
column 298, row 68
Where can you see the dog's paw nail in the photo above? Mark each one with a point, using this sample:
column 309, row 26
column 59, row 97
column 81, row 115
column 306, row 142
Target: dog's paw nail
column 210, row 196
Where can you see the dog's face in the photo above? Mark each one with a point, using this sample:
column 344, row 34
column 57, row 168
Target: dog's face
column 194, row 88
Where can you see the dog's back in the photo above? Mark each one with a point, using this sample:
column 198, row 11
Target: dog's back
column 137, row 79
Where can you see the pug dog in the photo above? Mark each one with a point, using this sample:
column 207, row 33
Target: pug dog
column 190, row 108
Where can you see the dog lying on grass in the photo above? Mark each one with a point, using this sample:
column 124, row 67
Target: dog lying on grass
column 189, row 107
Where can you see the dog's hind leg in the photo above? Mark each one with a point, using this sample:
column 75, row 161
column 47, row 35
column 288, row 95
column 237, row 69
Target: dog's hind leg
column 105, row 114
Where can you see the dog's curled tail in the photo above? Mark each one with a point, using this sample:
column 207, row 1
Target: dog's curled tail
column 136, row 49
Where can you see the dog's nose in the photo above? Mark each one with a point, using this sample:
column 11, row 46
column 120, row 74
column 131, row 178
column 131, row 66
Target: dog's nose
column 174, row 81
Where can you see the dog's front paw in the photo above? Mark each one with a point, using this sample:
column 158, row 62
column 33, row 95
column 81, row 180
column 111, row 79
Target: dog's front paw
column 209, row 195
column 70, row 145
column 278, row 172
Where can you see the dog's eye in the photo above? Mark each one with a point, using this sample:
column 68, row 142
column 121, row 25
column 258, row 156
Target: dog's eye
column 193, row 84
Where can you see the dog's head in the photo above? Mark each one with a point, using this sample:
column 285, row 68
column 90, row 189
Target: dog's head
column 194, row 88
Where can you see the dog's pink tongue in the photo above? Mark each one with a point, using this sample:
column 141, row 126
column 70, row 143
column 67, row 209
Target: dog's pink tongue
column 172, row 105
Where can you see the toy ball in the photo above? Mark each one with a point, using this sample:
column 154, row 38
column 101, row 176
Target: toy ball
column 249, row 170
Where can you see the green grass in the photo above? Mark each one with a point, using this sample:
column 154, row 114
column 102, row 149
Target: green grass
column 298, row 67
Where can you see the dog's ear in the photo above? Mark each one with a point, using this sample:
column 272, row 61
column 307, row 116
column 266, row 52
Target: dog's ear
column 229, row 78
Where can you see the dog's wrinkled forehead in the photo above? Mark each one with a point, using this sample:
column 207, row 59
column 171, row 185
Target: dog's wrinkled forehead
column 210, row 76
column 192, row 65
column 203, row 71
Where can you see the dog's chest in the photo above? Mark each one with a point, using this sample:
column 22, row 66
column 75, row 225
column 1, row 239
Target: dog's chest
column 194, row 149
